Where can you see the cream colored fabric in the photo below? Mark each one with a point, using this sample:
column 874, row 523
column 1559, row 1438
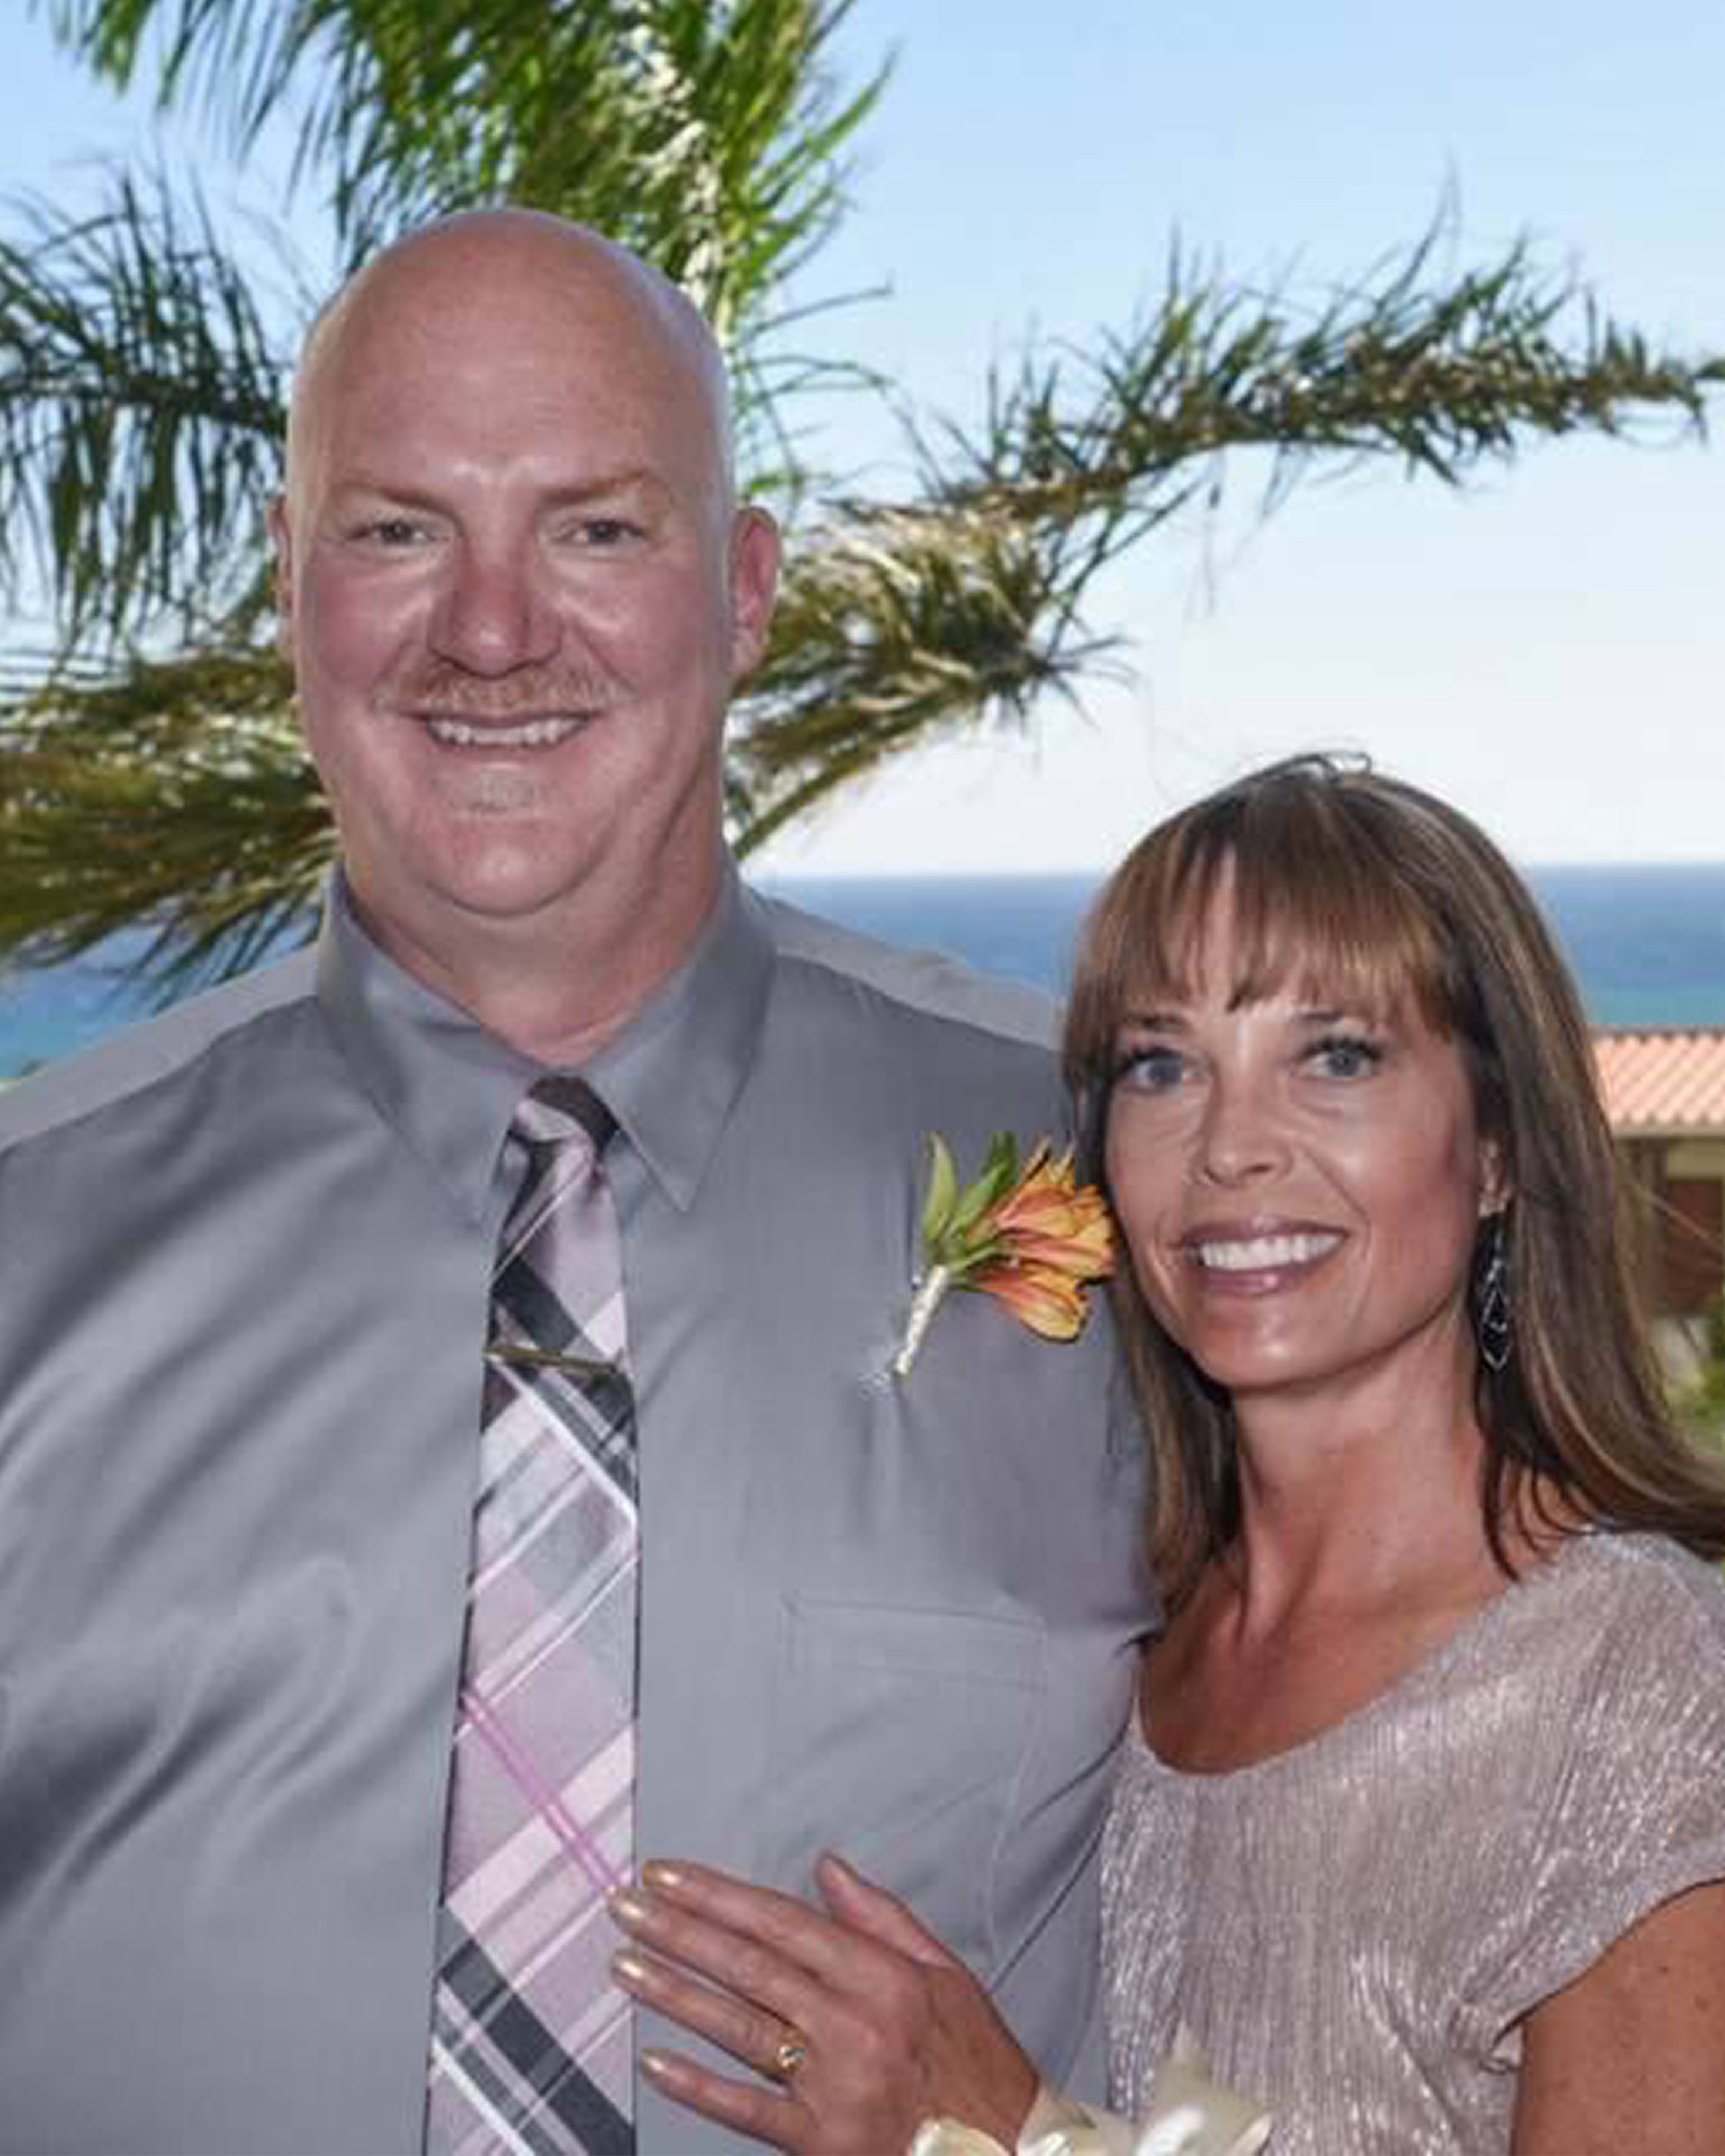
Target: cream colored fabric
column 1190, row 2114
column 1355, row 1930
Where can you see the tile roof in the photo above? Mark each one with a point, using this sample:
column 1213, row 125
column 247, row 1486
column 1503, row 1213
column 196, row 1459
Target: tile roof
column 1666, row 1081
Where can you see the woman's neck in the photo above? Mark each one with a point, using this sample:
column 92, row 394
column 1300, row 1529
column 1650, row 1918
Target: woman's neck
column 1357, row 1494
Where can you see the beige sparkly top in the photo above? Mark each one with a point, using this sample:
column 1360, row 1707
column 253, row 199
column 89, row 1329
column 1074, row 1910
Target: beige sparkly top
column 1354, row 1928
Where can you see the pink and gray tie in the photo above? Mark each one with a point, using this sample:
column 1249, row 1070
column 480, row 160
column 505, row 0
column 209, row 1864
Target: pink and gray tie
column 533, row 2045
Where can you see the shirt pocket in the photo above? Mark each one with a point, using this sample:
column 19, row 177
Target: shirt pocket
column 900, row 1738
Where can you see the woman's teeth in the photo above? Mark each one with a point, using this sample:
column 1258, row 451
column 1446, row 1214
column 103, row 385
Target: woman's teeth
column 1265, row 1253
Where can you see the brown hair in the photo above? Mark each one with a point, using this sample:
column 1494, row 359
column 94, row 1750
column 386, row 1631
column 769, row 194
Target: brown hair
column 1354, row 884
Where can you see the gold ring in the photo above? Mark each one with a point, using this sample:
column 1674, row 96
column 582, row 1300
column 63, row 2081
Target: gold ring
column 793, row 2049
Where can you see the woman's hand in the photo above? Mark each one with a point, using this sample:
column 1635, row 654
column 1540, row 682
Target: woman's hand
column 893, row 2028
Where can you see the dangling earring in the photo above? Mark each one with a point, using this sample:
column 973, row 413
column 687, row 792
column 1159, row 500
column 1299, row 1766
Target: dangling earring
column 1492, row 1319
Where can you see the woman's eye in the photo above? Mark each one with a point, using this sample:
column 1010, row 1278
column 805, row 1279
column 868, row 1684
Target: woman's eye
column 1344, row 1055
column 1150, row 1070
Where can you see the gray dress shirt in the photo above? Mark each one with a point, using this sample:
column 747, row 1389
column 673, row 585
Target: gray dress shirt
column 244, row 1254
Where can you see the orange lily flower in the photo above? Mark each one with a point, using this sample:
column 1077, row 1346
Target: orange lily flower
column 1050, row 1303
column 1028, row 1237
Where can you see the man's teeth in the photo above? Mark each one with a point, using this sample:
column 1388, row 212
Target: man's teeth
column 532, row 733
column 1265, row 1253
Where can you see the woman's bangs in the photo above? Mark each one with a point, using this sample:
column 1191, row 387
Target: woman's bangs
column 1337, row 933
column 1313, row 917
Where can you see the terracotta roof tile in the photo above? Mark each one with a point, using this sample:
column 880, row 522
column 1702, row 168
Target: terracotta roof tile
column 1663, row 1080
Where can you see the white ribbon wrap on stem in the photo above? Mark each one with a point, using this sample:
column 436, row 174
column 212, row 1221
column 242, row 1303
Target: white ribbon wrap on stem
column 1189, row 2115
column 929, row 1292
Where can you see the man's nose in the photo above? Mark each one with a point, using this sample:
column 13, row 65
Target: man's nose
column 1240, row 1138
column 490, row 616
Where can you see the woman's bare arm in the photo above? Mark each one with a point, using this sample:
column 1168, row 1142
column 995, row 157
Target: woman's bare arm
column 1631, row 2056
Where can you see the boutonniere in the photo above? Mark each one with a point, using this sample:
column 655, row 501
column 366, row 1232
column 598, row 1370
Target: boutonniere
column 1026, row 1236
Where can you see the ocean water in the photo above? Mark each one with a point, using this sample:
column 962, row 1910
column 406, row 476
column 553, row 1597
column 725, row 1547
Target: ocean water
column 1647, row 944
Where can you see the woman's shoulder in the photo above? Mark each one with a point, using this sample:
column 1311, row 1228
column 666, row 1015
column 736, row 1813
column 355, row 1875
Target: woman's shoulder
column 1611, row 1671
column 1628, row 1629
column 1646, row 1579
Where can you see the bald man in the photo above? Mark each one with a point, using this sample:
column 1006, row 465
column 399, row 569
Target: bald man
column 246, row 1264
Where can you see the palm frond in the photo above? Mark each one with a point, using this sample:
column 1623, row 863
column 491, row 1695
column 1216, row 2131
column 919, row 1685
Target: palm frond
column 141, row 419
column 1440, row 374
column 172, row 795
column 903, row 624
column 898, row 627
column 707, row 135
column 140, row 427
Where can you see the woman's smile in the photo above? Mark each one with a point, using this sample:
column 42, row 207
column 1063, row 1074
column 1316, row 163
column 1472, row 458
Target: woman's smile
column 1251, row 1258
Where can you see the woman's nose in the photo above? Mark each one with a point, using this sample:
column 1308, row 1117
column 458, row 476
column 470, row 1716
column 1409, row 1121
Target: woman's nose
column 1238, row 1138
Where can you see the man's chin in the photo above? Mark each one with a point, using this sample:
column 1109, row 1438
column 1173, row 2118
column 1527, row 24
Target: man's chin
column 497, row 880
column 485, row 788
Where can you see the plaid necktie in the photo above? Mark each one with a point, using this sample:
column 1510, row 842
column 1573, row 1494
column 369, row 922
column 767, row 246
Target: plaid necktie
column 532, row 2045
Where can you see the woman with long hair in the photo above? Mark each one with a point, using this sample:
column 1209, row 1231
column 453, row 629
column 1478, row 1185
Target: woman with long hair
column 1420, row 1824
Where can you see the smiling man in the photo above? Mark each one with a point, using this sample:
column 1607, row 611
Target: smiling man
column 446, row 1445
column 517, row 591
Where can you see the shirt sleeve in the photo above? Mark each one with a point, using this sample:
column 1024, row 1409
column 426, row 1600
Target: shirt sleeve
column 1631, row 1810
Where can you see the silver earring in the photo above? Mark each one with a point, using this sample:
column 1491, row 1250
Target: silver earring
column 1492, row 1319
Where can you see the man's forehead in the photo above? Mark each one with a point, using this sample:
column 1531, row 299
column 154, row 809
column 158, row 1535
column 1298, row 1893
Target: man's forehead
column 495, row 278
column 506, row 325
column 546, row 322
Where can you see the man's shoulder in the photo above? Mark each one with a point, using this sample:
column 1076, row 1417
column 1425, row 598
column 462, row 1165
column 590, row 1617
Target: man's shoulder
column 147, row 1055
column 920, row 987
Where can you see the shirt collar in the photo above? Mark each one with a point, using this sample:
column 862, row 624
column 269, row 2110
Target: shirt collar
column 672, row 1076
column 449, row 1087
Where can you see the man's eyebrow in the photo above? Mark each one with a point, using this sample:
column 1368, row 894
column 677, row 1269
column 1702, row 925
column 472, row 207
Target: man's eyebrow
column 636, row 480
column 354, row 486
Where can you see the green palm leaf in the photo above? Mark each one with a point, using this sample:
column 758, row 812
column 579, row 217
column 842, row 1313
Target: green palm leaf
column 141, row 419
column 173, row 795
column 149, row 768
column 704, row 134
column 904, row 624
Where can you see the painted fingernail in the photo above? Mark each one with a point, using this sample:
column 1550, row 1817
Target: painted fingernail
column 629, row 1907
column 658, row 1873
column 659, row 2066
column 629, row 1970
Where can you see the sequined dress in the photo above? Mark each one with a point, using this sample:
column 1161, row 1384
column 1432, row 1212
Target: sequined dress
column 1354, row 1928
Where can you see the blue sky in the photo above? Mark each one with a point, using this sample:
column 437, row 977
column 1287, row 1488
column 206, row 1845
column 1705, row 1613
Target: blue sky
column 1547, row 648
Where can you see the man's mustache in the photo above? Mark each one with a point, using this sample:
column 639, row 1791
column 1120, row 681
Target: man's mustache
column 452, row 692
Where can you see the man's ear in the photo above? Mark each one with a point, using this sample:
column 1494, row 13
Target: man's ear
column 281, row 541
column 754, row 585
